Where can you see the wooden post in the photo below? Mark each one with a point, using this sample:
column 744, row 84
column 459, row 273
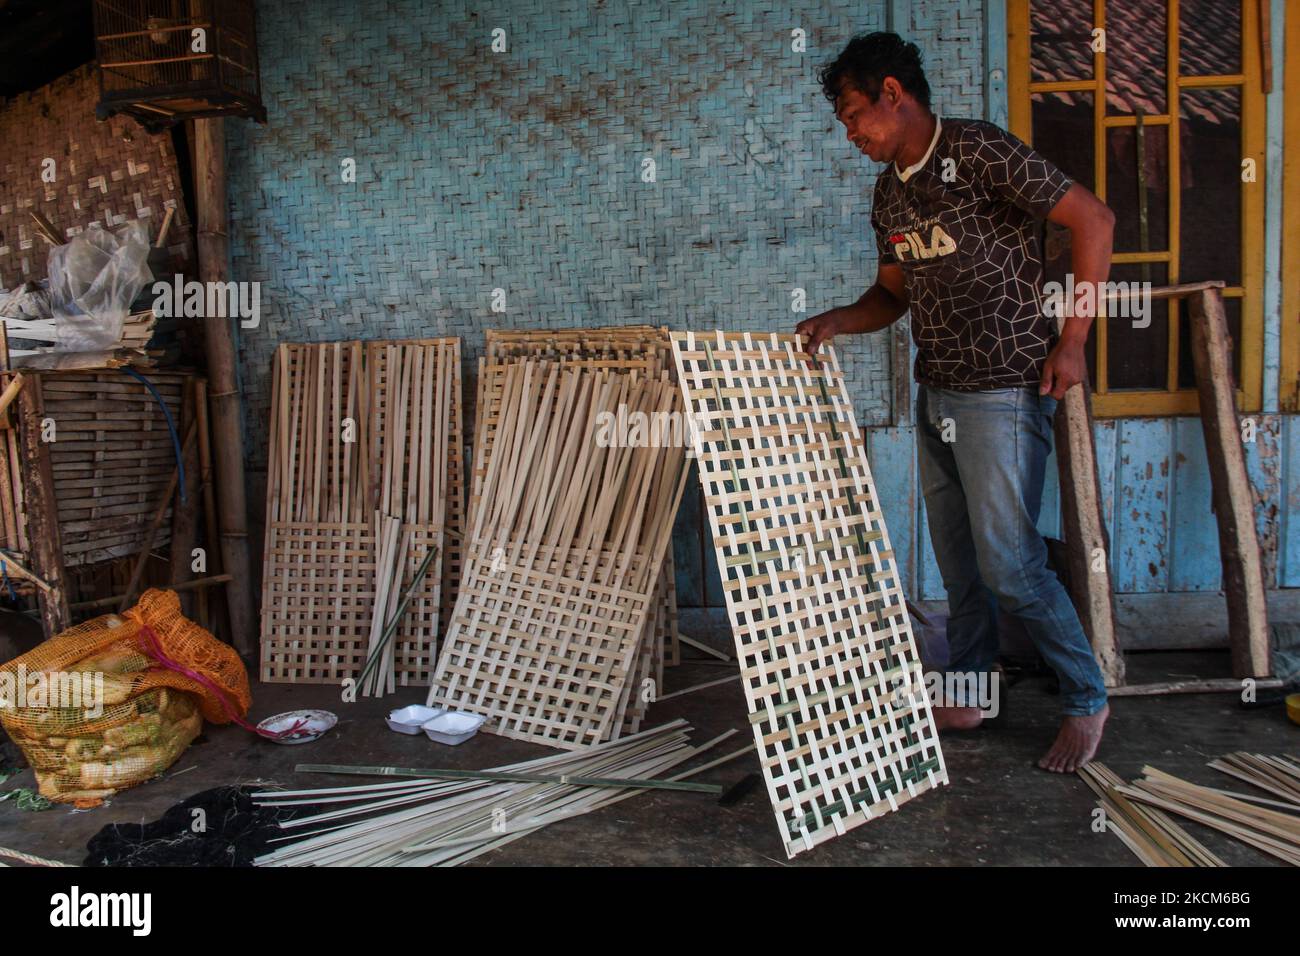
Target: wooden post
column 1087, row 542
column 219, row 335
column 41, row 510
column 1086, row 539
column 1234, row 508
column 185, row 531
column 215, row 618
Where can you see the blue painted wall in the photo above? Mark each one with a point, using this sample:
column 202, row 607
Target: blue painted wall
column 523, row 171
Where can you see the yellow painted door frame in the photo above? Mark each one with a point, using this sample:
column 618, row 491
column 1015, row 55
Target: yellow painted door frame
column 1254, row 141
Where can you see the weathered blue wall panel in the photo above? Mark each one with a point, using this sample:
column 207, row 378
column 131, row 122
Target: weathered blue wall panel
column 1193, row 533
column 892, row 454
column 1288, row 571
column 1140, row 535
column 1264, row 466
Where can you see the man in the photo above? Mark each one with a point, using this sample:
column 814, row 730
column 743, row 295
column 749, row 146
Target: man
column 955, row 221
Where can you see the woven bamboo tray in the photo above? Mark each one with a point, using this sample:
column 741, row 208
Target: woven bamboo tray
column 399, row 402
column 831, row 673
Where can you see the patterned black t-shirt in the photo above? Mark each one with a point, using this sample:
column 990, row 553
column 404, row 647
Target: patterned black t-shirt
column 962, row 224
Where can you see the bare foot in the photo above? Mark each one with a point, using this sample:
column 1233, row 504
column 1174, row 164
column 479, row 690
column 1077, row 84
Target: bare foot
column 957, row 718
column 1077, row 742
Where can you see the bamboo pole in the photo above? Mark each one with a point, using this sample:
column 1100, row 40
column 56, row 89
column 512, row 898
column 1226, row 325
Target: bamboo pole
column 197, row 584
column 219, row 334
column 185, row 529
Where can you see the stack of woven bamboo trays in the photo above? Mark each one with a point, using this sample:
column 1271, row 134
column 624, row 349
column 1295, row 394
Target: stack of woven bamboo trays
column 553, row 636
column 365, row 481
column 111, row 458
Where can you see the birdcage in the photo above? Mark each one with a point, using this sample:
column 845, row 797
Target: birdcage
column 162, row 61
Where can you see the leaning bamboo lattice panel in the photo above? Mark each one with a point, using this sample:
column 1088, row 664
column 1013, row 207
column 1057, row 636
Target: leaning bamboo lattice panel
column 566, row 547
column 361, row 478
column 641, row 348
column 831, row 672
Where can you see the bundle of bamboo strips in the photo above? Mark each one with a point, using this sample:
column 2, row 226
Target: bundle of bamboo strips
column 415, row 822
column 364, row 481
column 1151, row 834
column 567, row 542
column 1279, row 775
column 632, row 348
column 1273, row 831
column 137, row 331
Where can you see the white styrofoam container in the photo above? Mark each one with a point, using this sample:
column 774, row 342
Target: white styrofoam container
column 409, row 720
column 453, row 726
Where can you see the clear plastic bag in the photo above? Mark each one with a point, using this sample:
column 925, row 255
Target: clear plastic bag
column 93, row 281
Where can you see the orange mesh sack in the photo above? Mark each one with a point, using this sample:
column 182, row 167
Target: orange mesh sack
column 94, row 711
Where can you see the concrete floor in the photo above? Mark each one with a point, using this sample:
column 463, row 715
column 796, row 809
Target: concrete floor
column 999, row 809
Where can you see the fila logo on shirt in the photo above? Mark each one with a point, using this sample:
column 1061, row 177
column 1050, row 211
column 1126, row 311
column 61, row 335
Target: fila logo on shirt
column 911, row 245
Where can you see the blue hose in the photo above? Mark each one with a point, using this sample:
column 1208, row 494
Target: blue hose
column 171, row 426
column 13, row 595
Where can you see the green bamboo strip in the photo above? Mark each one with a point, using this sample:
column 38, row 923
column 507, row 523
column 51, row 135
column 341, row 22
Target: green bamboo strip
column 830, row 695
column 889, row 785
column 571, row 780
column 771, row 554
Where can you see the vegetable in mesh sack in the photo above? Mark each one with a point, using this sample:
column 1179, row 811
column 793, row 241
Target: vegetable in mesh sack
column 150, row 712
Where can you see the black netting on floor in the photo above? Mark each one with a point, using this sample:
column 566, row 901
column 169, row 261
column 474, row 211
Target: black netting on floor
column 227, row 831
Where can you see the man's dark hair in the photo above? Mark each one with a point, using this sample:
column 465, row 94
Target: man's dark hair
column 868, row 59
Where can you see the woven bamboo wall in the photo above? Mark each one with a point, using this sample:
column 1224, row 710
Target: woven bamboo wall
column 110, row 173
column 522, row 171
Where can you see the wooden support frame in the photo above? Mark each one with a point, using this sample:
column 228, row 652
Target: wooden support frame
column 1085, row 532
column 102, row 489
column 41, row 509
column 1234, row 500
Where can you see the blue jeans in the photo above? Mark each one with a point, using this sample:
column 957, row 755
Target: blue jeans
column 982, row 458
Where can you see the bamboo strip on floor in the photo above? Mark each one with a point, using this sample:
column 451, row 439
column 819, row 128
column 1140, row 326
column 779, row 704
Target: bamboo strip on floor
column 1151, row 834
column 418, row 823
